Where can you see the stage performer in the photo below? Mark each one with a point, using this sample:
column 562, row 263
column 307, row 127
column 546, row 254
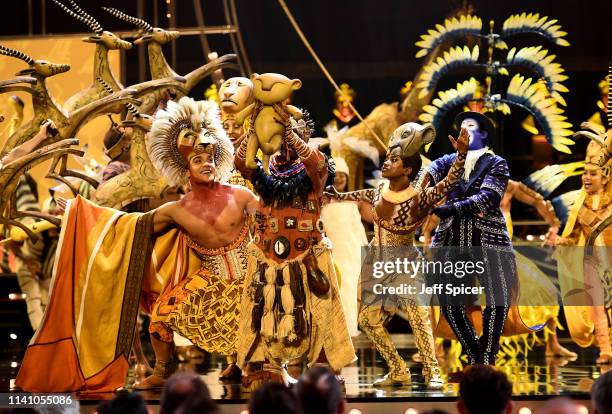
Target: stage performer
column 343, row 226
column 537, row 304
column 585, row 275
column 117, row 144
column 399, row 209
column 291, row 306
column 86, row 334
column 471, row 217
column 33, row 260
column 534, row 284
column 235, row 94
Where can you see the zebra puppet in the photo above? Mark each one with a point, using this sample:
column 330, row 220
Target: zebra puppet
column 34, row 259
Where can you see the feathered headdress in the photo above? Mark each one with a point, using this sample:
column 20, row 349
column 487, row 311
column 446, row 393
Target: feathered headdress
column 455, row 57
column 525, row 93
column 462, row 26
column 533, row 23
column 336, row 138
column 564, row 203
column 449, row 100
column 538, row 60
column 549, row 178
column 200, row 117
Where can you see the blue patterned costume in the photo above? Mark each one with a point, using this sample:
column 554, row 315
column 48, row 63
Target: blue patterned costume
column 477, row 222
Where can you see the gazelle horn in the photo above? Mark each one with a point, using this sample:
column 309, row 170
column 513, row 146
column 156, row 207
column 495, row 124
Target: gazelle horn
column 130, row 19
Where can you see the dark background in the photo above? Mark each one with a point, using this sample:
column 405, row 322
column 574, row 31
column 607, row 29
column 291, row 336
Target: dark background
column 368, row 44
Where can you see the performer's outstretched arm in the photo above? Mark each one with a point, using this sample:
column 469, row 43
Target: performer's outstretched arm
column 314, row 160
column 241, row 151
column 164, row 217
column 532, row 198
column 544, row 208
column 431, row 195
column 304, row 151
column 30, row 145
column 240, row 159
column 367, row 195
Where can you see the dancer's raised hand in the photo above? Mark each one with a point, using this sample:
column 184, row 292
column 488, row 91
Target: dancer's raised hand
column 461, row 144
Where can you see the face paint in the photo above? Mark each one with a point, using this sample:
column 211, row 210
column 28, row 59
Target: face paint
column 478, row 137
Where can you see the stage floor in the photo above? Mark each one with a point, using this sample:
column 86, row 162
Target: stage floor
column 536, row 378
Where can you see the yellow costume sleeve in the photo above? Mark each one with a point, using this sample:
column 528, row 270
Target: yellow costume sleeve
column 570, row 268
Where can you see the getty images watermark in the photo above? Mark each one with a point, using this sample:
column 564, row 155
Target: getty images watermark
column 449, row 276
column 405, row 267
column 475, row 276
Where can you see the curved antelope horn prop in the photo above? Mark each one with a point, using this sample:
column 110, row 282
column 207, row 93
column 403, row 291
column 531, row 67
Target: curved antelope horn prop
column 98, row 27
column 81, row 16
column 140, row 23
column 590, row 135
column 16, row 54
column 130, row 107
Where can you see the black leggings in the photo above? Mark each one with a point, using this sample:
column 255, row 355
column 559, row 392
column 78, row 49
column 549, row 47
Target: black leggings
column 499, row 286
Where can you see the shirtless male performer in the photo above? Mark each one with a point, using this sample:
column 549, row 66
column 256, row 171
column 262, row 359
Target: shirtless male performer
column 198, row 258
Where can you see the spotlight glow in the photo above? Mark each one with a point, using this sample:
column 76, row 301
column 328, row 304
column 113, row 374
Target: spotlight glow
column 524, row 410
column 17, row 296
column 13, row 336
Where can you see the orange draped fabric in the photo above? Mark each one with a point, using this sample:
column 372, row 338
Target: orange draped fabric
column 85, row 337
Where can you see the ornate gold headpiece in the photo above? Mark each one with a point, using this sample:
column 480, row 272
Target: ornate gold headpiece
column 593, row 154
column 170, row 146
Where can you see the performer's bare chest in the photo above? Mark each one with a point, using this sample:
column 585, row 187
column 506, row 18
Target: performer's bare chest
column 212, row 222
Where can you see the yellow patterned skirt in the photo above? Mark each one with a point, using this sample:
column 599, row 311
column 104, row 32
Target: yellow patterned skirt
column 205, row 307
